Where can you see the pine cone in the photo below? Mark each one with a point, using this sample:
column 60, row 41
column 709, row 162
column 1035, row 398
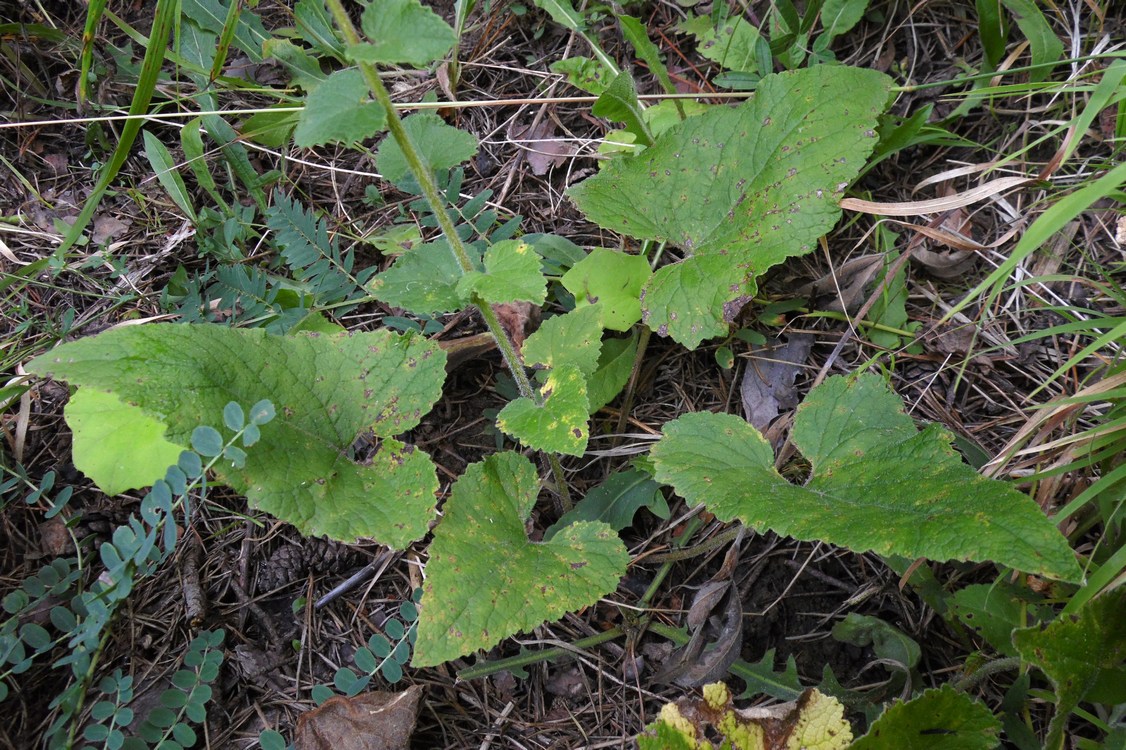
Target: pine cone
column 295, row 561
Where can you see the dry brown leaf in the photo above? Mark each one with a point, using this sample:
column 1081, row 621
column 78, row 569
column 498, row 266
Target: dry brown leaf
column 768, row 382
column 516, row 318
column 935, row 205
column 542, row 149
column 843, row 288
column 107, row 227
column 369, row 721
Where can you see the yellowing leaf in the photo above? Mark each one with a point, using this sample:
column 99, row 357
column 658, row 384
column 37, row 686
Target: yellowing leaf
column 877, row 484
column 115, row 444
column 571, row 339
column 560, row 424
column 512, row 274
column 739, row 190
column 486, row 581
column 326, row 389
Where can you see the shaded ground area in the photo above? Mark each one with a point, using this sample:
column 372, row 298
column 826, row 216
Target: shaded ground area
column 256, row 578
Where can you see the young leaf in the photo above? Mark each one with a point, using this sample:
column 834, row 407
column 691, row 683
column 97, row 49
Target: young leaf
column 423, row 280
column 740, row 189
column 512, row 274
column 952, row 720
column 877, row 484
column 206, row 441
column 619, row 103
column 571, row 339
column 115, row 444
column 441, row 146
column 486, row 581
column 592, row 76
column 402, row 31
column 612, row 281
column 731, row 44
column 327, row 389
column 1084, row 655
column 339, row 110
column 615, row 502
column 560, row 424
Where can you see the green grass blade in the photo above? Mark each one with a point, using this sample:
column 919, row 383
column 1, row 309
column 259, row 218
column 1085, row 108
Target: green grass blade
column 93, row 16
column 164, row 166
column 164, row 17
column 230, row 26
column 1050, row 222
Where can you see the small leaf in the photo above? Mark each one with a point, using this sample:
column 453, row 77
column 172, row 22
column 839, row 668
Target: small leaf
column 392, row 671
column 233, row 416
column 262, row 412
column 619, row 103
column 615, row 502
column 441, row 146
column 877, row 484
column 206, row 441
column 889, row 642
column 486, row 581
column 559, row 425
column 942, row 719
column 614, row 367
column 251, row 435
column 339, row 110
column 592, row 76
column 402, row 31
column 512, row 274
column 732, row 44
column 364, row 660
column 994, row 612
column 394, row 629
column 571, row 339
column 236, row 455
column 115, row 444
column 1083, row 654
column 423, row 280
column 611, row 281
column 379, row 645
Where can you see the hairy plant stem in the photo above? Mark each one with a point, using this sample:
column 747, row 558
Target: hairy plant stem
column 686, row 553
column 534, row 657
column 437, row 205
column 986, row 670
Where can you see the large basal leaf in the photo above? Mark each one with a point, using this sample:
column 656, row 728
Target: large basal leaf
column 116, row 447
column 1084, row 655
column 877, row 483
column 486, row 581
column 745, row 187
column 942, row 719
column 326, row 389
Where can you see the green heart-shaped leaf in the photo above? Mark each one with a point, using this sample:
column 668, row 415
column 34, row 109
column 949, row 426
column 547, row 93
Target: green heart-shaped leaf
column 486, row 581
column 560, row 424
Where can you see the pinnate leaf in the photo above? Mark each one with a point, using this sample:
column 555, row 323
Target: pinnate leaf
column 486, row 581
column 612, row 281
column 1084, row 655
column 512, row 274
column 115, row 444
column 953, row 720
column 559, row 425
column 745, row 187
column 327, row 389
column 402, row 31
column 339, row 110
column 877, row 484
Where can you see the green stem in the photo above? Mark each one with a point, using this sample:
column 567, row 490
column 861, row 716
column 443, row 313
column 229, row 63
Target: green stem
column 986, row 670
column 525, row 660
column 687, row 553
column 437, row 205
